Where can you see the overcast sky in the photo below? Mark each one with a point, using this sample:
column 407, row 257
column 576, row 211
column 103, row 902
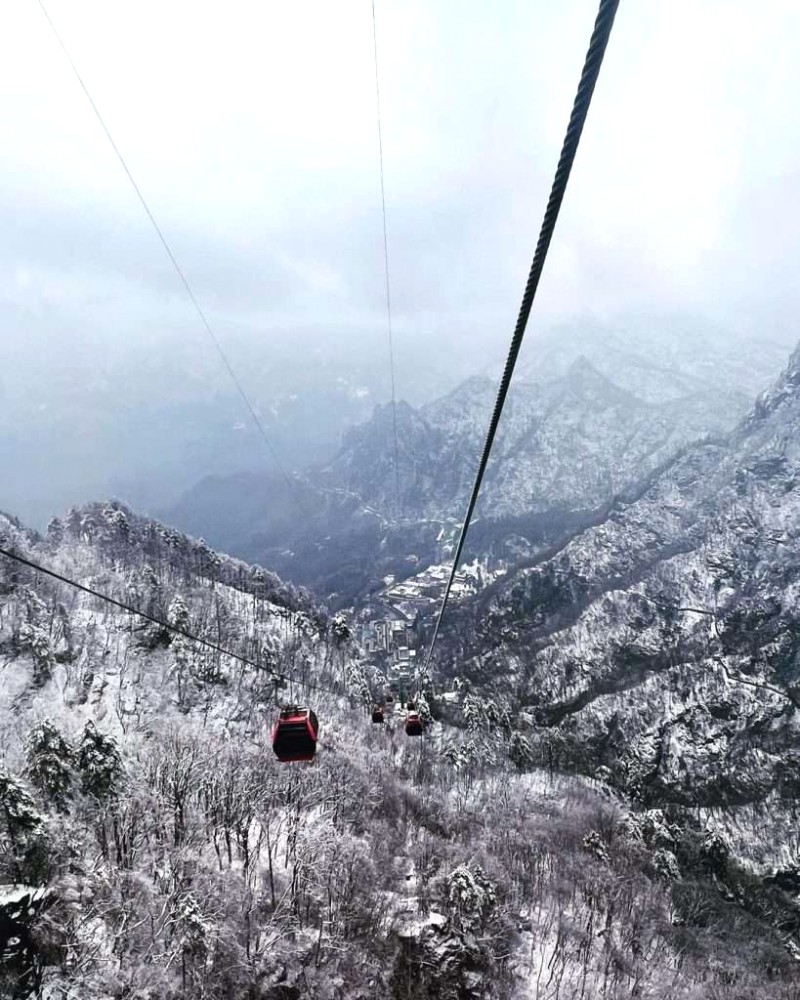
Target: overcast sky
column 251, row 129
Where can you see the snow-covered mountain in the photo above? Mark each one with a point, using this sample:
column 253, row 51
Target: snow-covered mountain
column 569, row 441
column 151, row 846
column 659, row 358
column 566, row 442
column 660, row 647
column 575, row 431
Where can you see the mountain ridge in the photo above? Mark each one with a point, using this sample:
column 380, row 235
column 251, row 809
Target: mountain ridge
column 662, row 644
column 572, row 438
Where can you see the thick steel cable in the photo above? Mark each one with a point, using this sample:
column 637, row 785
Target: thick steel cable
column 178, row 269
column 386, row 264
column 583, row 98
column 38, row 568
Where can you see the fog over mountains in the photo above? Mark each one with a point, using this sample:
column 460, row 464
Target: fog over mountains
column 233, row 761
column 589, row 415
column 147, row 420
column 151, row 418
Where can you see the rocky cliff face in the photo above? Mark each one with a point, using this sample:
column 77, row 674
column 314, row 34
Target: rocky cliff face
column 660, row 647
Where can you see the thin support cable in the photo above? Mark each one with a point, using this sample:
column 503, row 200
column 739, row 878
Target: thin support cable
column 99, row 595
column 178, row 270
column 386, row 265
column 583, row 99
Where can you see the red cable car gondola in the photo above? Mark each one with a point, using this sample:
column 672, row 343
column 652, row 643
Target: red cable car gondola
column 413, row 724
column 377, row 713
column 295, row 734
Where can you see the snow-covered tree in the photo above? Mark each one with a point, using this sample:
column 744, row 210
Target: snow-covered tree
column 36, row 640
column 21, row 831
column 340, row 628
column 595, row 845
column 357, row 683
column 50, row 759
column 178, row 615
column 471, row 895
column 665, row 865
column 190, row 929
column 483, row 714
column 99, row 762
column 117, row 525
column 55, row 531
column 423, row 707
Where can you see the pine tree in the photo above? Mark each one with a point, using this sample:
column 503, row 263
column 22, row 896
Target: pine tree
column 37, row 642
column 472, row 896
column 22, row 832
column 55, row 531
column 50, row 760
column 117, row 523
column 99, row 762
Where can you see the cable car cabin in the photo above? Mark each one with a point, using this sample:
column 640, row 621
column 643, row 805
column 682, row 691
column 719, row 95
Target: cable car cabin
column 295, row 734
column 377, row 713
column 410, row 706
column 413, row 724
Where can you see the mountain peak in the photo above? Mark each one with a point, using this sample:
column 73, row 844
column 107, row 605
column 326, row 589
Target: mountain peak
column 784, row 391
column 584, row 379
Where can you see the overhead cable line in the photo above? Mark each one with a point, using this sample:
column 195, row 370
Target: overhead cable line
column 386, row 265
column 583, row 98
column 178, row 269
column 38, row 568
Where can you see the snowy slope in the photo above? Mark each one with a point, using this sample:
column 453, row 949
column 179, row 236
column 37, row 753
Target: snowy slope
column 660, row 646
column 141, row 800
